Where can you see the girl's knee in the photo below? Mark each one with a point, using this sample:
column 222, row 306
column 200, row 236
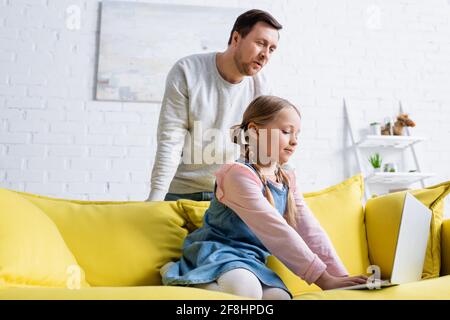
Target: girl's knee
column 241, row 282
column 270, row 293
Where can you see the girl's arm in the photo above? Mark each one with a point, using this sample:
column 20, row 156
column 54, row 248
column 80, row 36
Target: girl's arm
column 239, row 188
column 309, row 228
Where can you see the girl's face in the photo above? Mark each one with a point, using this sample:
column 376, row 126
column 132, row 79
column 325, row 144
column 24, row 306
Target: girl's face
column 282, row 134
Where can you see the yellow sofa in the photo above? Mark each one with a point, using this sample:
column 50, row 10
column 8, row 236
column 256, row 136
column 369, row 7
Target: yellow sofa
column 69, row 249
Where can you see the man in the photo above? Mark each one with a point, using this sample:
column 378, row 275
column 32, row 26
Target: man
column 209, row 91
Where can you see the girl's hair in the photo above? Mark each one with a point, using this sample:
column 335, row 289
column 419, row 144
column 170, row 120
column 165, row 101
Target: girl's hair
column 262, row 111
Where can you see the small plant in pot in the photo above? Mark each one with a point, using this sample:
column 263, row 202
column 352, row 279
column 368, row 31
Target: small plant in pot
column 375, row 160
column 375, row 128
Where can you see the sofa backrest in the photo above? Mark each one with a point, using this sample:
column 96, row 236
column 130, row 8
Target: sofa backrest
column 118, row 243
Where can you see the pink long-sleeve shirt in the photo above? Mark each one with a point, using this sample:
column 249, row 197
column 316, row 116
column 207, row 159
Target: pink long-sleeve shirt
column 306, row 250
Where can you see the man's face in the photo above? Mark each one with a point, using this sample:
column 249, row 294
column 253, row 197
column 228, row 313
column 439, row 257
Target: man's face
column 254, row 51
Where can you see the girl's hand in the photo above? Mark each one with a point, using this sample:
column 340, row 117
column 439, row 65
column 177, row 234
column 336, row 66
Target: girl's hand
column 327, row 281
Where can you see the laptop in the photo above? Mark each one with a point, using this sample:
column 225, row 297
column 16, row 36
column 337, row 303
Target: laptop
column 411, row 246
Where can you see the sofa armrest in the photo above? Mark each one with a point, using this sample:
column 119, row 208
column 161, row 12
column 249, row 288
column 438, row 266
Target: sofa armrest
column 445, row 248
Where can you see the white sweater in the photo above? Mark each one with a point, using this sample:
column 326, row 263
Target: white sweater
column 196, row 99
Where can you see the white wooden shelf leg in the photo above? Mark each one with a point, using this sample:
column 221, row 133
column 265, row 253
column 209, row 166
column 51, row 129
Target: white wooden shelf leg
column 356, row 149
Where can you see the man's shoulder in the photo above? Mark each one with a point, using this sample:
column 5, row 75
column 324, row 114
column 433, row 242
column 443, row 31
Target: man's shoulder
column 195, row 60
column 262, row 84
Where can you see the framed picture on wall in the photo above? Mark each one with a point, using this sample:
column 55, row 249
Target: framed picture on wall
column 140, row 42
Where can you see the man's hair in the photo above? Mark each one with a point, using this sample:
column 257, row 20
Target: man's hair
column 245, row 22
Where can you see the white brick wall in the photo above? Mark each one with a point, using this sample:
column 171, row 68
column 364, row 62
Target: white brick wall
column 56, row 140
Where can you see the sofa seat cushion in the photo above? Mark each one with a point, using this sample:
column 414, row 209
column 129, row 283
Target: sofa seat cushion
column 114, row 293
column 430, row 289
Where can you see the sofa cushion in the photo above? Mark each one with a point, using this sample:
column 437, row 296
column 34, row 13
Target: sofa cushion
column 383, row 216
column 118, row 243
column 115, row 293
column 32, row 251
column 194, row 212
column 430, row 289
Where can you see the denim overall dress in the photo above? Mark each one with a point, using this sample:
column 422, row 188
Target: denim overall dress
column 223, row 243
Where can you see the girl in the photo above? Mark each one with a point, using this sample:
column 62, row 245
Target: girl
column 257, row 211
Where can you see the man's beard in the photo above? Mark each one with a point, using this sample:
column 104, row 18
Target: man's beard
column 243, row 68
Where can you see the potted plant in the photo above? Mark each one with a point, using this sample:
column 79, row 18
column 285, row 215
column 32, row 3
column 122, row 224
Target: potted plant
column 376, row 161
column 375, row 128
column 390, row 167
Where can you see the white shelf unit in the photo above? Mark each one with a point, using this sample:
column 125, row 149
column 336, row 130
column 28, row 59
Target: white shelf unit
column 398, row 142
column 402, row 178
column 379, row 141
